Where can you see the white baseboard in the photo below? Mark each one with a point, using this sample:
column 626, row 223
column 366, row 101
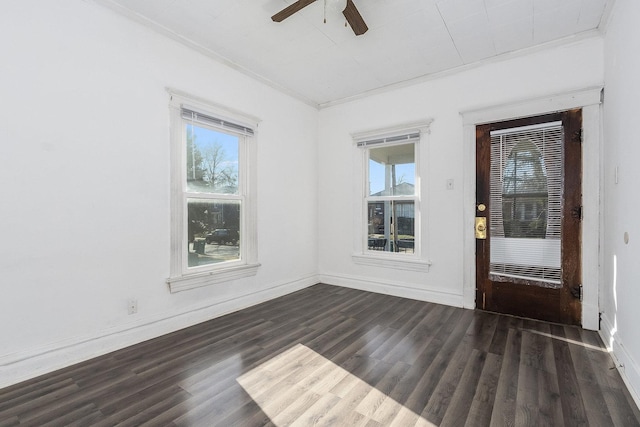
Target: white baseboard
column 19, row 367
column 625, row 364
column 396, row 289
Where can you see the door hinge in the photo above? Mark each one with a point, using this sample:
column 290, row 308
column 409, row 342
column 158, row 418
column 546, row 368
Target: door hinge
column 577, row 136
column 576, row 213
column 576, row 291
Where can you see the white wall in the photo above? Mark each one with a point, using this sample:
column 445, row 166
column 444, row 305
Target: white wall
column 84, row 182
column 545, row 72
column 620, row 294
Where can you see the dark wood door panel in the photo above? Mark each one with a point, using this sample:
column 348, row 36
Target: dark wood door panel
column 561, row 305
column 528, row 301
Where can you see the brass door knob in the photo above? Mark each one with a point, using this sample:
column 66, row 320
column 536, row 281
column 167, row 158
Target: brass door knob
column 481, row 227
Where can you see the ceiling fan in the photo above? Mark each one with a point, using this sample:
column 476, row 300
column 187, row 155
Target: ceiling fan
column 350, row 12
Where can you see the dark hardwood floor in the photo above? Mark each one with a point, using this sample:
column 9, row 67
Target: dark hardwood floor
column 339, row 357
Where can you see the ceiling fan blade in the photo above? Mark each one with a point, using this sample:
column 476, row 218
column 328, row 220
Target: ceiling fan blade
column 291, row 9
column 354, row 18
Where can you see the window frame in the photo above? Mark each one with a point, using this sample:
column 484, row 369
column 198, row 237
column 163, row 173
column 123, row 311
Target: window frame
column 387, row 137
column 183, row 277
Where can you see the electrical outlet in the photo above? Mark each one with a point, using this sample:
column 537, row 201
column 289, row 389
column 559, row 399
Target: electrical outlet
column 132, row 306
column 450, row 184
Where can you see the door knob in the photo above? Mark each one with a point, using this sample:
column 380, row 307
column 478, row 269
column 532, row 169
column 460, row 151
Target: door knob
column 481, row 227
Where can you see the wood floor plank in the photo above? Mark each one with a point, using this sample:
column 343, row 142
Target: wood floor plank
column 436, row 362
column 10, row 421
column 549, row 404
column 335, row 356
column 411, row 320
column 527, row 414
column 457, row 410
column 580, row 357
column 484, row 328
column 11, row 401
column 504, row 413
column 267, row 403
column 485, row 395
column 444, row 392
column 208, row 410
column 372, row 402
column 44, row 404
column 363, row 307
column 298, row 407
column 316, row 412
column 573, row 409
column 347, row 404
column 69, row 416
column 623, row 412
column 371, row 347
column 537, row 349
column 88, row 420
column 596, row 407
column 365, row 371
column 249, row 414
column 147, row 410
column 499, row 338
column 412, row 342
column 383, row 311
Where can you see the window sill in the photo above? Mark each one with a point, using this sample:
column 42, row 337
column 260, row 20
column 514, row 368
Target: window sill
column 392, row 261
column 192, row 281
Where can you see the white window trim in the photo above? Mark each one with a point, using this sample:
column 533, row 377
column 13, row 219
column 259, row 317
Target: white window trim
column 180, row 278
column 418, row 261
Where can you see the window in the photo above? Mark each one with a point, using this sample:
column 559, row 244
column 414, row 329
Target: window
column 213, row 202
column 391, row 197
column 391, row 221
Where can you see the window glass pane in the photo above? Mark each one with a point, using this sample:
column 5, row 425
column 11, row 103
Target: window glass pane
column 212, row 161
column 392, row 170
column 391, row 226
column 213, row 231
column 526, row 205
column 524, row 192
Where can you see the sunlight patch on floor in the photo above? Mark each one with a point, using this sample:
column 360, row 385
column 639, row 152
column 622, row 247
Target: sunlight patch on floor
column 302, row 387
column 567, row 340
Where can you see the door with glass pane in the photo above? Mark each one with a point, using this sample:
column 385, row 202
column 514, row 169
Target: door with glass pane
column 528, row 213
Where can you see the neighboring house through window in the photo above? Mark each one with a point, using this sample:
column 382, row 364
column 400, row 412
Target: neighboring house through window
column 391, row 221
column 213, row 213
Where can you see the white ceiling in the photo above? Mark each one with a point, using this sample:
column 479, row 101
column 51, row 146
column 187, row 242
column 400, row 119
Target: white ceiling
column 407, row 39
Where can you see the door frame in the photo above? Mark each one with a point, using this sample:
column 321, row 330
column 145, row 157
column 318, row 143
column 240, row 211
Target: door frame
column 590, row 101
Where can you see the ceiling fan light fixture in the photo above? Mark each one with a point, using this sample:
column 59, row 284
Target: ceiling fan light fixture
column 335, row 5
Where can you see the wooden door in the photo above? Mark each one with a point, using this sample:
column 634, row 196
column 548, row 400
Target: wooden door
column 528, row 189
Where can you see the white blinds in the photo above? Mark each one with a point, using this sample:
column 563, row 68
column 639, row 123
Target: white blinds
column 526, row 203
column 204, row 119
column 410, row 137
